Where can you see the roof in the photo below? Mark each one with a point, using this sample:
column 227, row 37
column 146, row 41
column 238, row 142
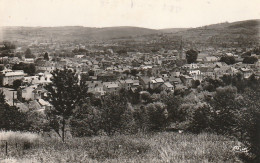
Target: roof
column 34, row 105
column 159, row 80
column 245, row 69
column 112, row 86
column 145, row 80
column 212, row 58
column 15, row 73
column 44, row 103
column 169, row 85
column 128, row 81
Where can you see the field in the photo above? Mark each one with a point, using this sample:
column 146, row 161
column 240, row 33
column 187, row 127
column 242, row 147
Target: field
column 157, row 147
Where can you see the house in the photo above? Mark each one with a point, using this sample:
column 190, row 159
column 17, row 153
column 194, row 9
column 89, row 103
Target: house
column 129, row 84
column 110, row 86
column 167, row 87
column 210, row 59
column 246, row 72
column 207, row 72
column 28, row 60
column 7, row 77
column 145, row 82
column 44, row 104
column 156, row 82
column 43, row 66
column 222, row 71
column 79, row 56
column 186, row 80
column 191, row 66
column 40, row 78
column 40, row 92
column 26, row 93
column 95, row 87
column 174, row 80
column 106, row 77
column 196, row 75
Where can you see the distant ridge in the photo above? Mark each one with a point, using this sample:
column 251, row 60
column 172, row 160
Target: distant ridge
column 246, row 29
column 74, row 32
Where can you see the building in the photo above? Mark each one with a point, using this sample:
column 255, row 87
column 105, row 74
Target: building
column 7, row 77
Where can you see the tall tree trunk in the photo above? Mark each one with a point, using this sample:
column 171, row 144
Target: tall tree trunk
column 63, row 129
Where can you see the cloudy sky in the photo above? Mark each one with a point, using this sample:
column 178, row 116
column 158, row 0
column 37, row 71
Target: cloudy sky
column 154, row 14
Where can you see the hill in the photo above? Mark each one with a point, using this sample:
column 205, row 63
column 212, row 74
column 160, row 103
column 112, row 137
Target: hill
column 241, row 33
column 72, row 33
column 173, row 30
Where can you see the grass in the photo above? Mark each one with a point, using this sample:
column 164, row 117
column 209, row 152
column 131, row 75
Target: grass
column 11, row 136
column 158, row 147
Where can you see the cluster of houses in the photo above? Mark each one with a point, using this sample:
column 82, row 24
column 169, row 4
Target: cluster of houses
column 107, row 73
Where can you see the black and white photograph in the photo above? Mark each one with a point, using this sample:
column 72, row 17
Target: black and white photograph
column 129, row 81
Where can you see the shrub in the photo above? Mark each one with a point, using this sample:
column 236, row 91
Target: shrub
column 157, row 116
column 11, row 118
column 248, row 122
column 112, row 109
column 173, row 104
column 86, row 121
column 200, row 119
column 223, row 107
column 27, row 139
column 128, row 122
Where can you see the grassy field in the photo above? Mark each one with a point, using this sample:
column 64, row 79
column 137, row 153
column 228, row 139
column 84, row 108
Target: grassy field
column 158, row 147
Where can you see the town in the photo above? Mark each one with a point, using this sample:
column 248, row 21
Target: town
column 135, row 81
column 25, row 70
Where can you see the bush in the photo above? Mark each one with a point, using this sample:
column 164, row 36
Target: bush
column 248, row 122
column 128, row 122
column 250, row 60
column 112, row 109
column 228, row 60
column 86, row 122
column 173, row 104
column 27, row 139
column 157, row 116
column 200, row 120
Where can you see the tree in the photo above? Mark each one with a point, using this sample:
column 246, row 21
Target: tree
column 250, row 60
column 28, row 53
column 65, row 93
column 11, row 118
column 191, row 56
column 17, row 83
column 19, row 55
column 157, row 115
column 146, row 97
column 2, row 67
column 248, row 122
column 200, row 119
column 27, row 68
column 173, row 104
column 228, row 60
column 91, row 73
column 224, row 105
column 134, row 72
column 46, row 56
column 195, row 83
column 6, row 50
column 86, row 121
column 113, row 107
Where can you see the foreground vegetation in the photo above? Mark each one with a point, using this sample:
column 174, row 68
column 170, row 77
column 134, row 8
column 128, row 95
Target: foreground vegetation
column 157, row 147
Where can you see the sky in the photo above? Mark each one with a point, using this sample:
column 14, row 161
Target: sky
column 155, row 14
